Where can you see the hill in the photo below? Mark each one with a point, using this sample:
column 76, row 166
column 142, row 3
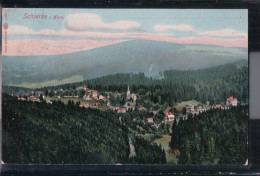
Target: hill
column 149, row 57
column 67, row 134
column 213, row 84
column 214, row 137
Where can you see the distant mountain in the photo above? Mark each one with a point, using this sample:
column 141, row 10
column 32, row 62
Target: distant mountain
column 149, row 57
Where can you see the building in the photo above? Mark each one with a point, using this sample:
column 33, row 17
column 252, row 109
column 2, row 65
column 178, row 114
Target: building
column 33, row 99
column 169, row 114
column 92, row 94
column 84, row 105
column 201, row 109
column 190, row 109
column 195, row 110
column 95, row 94
column 128, row 94
column 130, row 100
column 231, row 101
column 70, row 96
column 22, row 99
column 101, row 97
column 87, row 97
column 122, row 110
column 150, row 120
column 85, row 88
column 134, row 97
column 219, row 106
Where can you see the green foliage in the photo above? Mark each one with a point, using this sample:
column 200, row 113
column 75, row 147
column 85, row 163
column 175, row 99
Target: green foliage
column 213, row 84
column 153, row 154
column 213, row 137
column 59, row 133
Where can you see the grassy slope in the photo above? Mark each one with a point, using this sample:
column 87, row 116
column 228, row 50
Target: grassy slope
column 35, row 85
column 164, row 143
column 182, row 104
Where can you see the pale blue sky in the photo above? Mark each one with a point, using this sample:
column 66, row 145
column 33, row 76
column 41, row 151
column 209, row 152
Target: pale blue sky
column 202, row 20
column 82, row 29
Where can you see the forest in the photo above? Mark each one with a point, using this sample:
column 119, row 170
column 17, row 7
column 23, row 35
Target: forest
column 213, row 84
column 213, row 137
column 59, row 133
column 39, row 132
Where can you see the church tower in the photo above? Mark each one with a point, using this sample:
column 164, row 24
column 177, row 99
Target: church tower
column 128, row 94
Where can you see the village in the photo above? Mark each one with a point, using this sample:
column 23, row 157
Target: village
column 96, row 100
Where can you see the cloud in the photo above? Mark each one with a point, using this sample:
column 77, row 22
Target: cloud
column 19, row 30
column 36, row 47
column 90, row 21
column 73, row 41
column 179, row 27
column 44, row 46
column 227, row 32
column 226, row 42
column 23, row 30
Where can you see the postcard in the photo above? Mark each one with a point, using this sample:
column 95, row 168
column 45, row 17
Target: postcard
column 125, row 86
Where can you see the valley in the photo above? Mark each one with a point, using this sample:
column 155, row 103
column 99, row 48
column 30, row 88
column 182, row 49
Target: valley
column 125, row 86
column 151, row 114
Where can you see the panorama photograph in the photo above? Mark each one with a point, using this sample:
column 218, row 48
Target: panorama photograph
column 125, row 86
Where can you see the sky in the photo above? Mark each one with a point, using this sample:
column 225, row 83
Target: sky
column 42, row 31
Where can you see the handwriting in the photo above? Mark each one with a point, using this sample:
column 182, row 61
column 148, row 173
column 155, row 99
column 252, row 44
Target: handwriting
column 30, row 16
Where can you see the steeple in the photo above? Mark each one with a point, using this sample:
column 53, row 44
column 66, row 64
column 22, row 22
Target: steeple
column 128, row 93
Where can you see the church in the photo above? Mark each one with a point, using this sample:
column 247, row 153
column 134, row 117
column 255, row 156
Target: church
column 130, row 100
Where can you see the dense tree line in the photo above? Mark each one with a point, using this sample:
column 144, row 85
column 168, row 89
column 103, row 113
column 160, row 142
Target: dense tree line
column 213, row 84
column 146, row 155
column 59, row 133
column 213, row 137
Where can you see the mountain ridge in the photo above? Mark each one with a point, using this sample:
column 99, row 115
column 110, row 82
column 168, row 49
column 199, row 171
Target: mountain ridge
column 150, row 57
